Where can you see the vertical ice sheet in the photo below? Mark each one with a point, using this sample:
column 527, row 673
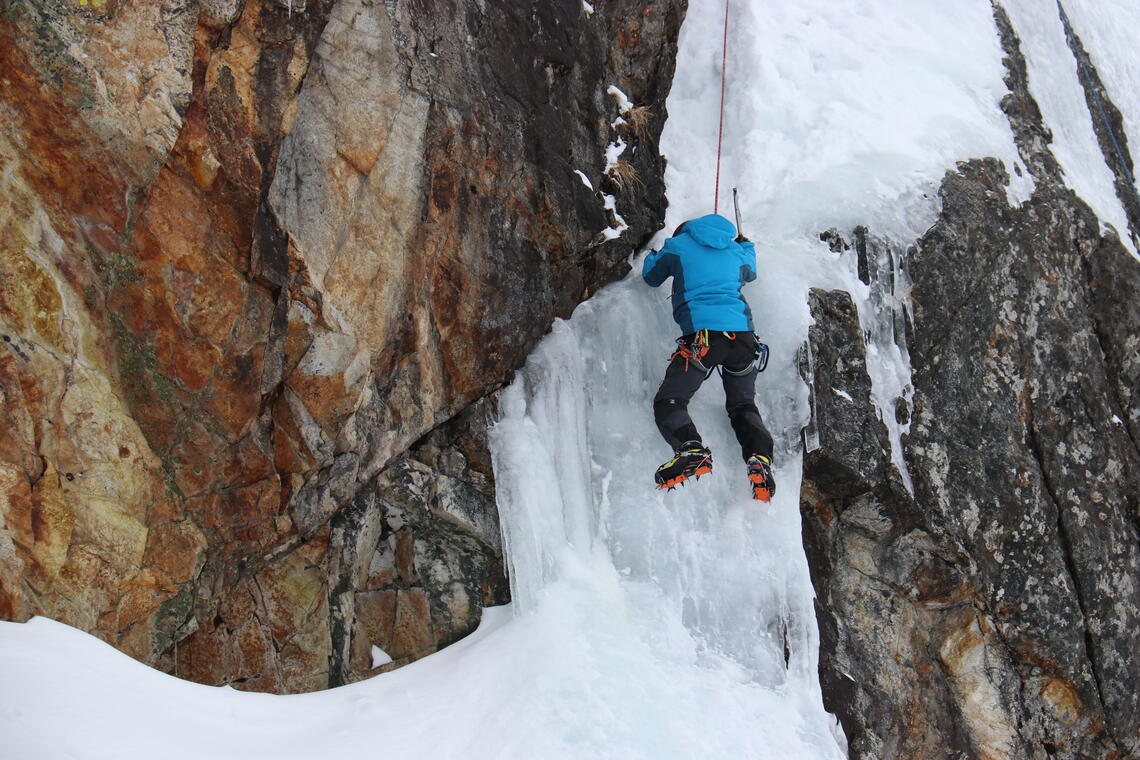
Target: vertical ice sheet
column 882, row 315
column 708, row 587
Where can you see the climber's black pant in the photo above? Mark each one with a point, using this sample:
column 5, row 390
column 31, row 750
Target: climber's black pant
column 684, row 376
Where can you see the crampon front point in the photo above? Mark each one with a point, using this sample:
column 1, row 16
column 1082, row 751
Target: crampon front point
column 693, row 461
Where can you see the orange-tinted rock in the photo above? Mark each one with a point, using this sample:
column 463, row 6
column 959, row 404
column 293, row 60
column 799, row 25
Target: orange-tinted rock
column 248, row 257
column 175, row 550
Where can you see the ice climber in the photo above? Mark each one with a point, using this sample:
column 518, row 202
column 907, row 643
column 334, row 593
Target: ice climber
column 709, row 263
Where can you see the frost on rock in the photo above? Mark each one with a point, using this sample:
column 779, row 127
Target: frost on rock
column 1066, row 110
column 883, row 315
column 614, row 168
column 623, row 101
column 613, row 153
column 612, row 232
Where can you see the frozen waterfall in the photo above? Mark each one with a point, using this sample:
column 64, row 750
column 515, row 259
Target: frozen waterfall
column 646, row 624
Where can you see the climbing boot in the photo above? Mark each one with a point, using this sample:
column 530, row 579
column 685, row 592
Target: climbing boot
column 760, row 475
column 692, row 460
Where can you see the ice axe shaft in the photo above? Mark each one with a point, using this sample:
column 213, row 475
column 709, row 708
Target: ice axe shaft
column 736, row 205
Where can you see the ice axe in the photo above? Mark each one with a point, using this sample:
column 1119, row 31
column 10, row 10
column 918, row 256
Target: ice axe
column 736, row 206
column 760, row 359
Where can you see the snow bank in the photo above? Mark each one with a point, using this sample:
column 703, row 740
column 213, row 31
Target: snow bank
column 1056, row 85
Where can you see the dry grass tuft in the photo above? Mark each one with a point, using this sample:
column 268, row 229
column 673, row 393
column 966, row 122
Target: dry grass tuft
column 637, row 120
column 625, row 176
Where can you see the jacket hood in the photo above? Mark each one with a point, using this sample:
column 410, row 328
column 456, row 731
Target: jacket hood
column 713, row 231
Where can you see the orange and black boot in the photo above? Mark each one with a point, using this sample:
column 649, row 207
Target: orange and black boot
column 692, row 460
column 760, row 475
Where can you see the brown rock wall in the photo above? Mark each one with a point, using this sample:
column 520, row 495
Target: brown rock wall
column 252, row 252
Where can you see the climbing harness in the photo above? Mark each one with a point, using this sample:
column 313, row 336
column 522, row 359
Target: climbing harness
column 758, row 364
column 693, row 352
column 720, row 130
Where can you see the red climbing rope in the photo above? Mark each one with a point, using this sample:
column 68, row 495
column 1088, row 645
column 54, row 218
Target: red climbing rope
column 720, row 131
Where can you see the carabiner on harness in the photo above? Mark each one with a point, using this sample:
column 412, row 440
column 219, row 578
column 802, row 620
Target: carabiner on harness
column 761, row 360
column 693, row 352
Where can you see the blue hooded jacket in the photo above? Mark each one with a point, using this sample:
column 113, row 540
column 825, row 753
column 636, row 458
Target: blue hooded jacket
column 708, row 268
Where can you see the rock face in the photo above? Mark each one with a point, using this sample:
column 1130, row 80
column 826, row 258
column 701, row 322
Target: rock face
column 263, row 264
column 993, row 611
